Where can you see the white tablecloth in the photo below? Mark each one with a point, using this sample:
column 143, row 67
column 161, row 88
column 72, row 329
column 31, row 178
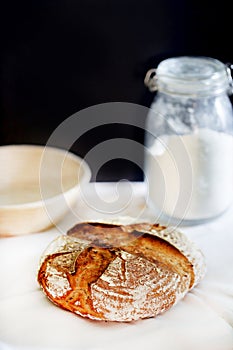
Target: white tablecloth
column 202, row 320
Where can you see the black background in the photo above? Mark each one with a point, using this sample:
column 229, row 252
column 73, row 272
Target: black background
column 59, row 57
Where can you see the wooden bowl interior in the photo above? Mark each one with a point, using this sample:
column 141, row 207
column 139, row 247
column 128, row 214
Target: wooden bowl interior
column 32, row 173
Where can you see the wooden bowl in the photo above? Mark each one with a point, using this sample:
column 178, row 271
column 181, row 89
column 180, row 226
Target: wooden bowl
column 38, row 186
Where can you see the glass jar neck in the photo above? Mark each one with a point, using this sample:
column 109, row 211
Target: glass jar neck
column 190, row 76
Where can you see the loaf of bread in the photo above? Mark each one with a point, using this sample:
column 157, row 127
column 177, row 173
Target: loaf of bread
column 116, row 272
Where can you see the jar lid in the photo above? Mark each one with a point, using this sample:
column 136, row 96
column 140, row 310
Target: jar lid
column 190, row 75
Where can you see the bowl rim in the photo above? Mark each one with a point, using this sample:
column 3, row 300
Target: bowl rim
column 36, row 204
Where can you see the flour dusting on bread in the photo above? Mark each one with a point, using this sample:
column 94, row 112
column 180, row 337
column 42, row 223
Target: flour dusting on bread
column 113, row 272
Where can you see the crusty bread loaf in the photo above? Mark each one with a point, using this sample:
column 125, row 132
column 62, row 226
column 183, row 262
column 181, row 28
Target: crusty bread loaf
column 119, row 272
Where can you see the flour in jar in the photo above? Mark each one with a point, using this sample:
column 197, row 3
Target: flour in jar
column 190, row 176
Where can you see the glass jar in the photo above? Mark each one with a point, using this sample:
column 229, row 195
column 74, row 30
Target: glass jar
column 189, row 140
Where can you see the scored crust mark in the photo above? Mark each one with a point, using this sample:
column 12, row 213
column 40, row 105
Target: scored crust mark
column 119, row 272
column 69, row 285
column 102, row 234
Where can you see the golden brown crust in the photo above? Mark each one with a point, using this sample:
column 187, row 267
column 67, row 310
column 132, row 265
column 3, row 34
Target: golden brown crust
column 134, row 240
column 115, row 272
